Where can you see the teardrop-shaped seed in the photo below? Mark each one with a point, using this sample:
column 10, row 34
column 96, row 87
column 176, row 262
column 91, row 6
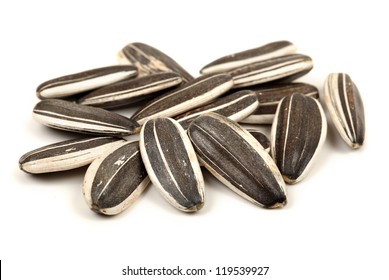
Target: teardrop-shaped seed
column 236, row 106
column 65, row 115
column 130, row 91
column 83, row 81
column 115, row 180
column 171, row 163
column 148, row 60
column 198, row 92
column 286, row 68
column 346, row 109
column 269, row 96
column 261, row 138
column 66, row 155
column 232, row 61
column 237, row 159
column 298, row 133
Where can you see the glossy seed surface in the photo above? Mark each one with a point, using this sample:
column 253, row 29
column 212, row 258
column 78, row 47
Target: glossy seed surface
column 115, row 180
column 285, row 68
column 65, row 115
column 298, row 133
column 148, row 60
column 130, row 91
column 346, row 108
column 171, row 163
column 84, row 81
column 270, row 96
column 237, row 159
column 236, row 106
column 196, row 93
column 66, row 155
column 232, row 61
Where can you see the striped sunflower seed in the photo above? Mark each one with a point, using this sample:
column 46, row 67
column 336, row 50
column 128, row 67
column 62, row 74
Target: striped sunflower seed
column 65, row 115
column 261, row 138
column 130, row 91
column 285, row 68
column 269, row 97
column 171, row 163
column 196, row 93
column 115, row 180
column 298, row 133
column 236, row 106
column 66, row 155
column 84, row 81
column 346, row 108
column 232, row 61
column 237, row 159
column 149, row 60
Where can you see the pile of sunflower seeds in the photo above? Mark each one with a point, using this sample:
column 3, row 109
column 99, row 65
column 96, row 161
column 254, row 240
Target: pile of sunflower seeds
column 186, row 124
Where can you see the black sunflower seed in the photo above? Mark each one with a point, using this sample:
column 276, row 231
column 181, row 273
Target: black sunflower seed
column 236, row 60
column 188, row 96
column 130, row 91
column 65, row 115
column 285, row 68
column 237, row 159
column 115, row 180
column 148, row 60
column 171, row 163
column 298, row 133
column 84, row 81
column 66, row 155
column 345, row 105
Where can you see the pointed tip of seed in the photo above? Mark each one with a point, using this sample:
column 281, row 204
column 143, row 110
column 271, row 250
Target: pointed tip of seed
column 291, row 181
column 279, row 204
column 193, row 208
column 95, row 208
column 355, row 146
column 136, row 129
column 196, row 207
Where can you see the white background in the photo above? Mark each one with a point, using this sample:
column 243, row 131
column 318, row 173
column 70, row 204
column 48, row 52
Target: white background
column 335, row 224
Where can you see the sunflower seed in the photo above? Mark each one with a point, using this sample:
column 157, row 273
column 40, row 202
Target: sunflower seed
column 285, row 68
column 66, row 155
column 237, row 159
column 130, row 91
column 298, row 133
column 171, row 163
column 65, row 115
column 261, row 138
column 115, row 180
column 80, row 82
column 236, row 106
column 196, row 93
column 149, row 60
column 346, row 109
column 232, row 61
column 269, row 97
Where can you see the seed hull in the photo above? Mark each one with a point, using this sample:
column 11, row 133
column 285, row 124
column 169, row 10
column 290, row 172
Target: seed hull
column 346, row 108
column 66, row 155
column 149, row 60
column 172, row 164
column 114, row 181
column 236, row 158
column 65, row 115
column 236, row 60
column 298, row 134
column 186, row 97
column 84, row 81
